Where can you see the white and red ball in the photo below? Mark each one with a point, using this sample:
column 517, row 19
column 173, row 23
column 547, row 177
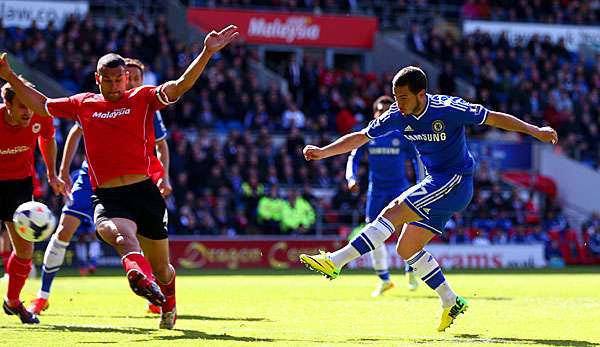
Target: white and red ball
column 34, row 221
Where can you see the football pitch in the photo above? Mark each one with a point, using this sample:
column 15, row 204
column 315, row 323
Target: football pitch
column 299, row 308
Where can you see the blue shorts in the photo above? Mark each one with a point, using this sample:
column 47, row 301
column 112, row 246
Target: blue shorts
column 79, row 203
column 437, row 197
column 378, row 199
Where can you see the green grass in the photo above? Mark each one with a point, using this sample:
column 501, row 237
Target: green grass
column 266, row 308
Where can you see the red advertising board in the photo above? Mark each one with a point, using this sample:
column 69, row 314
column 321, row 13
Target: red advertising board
column 285, row 28
column 223, row 254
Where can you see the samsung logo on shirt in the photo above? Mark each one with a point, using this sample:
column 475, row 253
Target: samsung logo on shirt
column 16, row 150
column 384, row 150
column 112, row 114
column 427, row 137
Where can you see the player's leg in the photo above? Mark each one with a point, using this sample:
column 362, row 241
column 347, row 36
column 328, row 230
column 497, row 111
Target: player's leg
column 157, row 253
column 18, row 268
column 54, row 257
column 94, row 252
column 379, row 256
column 152, row 221
column 373, row 235
column 5, row 249
column 120, row 233
column 12, row 194
column 411, row 247
column 411, row 278
column 445, row 195
column 81, row 253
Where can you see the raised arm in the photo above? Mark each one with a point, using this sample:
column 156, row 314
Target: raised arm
column 213, row 42
column 342, row 145
column 71, row 144
column 33, row 99
column 512, row 123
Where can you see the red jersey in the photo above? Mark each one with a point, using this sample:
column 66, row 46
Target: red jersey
column 17, row 145
column 118, row 136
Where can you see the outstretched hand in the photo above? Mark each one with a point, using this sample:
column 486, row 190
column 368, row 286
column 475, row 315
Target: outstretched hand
column 215, row 41
column 57, row 185
column 5, row 69
column 547, row 134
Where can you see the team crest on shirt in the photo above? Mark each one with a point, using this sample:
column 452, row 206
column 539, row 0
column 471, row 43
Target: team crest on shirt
column 396, row 142
column 438, row 126
column 35, row 128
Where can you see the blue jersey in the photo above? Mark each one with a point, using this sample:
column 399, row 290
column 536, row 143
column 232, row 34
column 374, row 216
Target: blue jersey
column 438, row 133
column 160, row 133
column 387, row 161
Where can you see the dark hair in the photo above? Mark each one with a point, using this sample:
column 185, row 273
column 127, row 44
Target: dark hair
column 130, row 62
column 110, row 60
column 412, row 76
column 8, row 94
column 385, row 101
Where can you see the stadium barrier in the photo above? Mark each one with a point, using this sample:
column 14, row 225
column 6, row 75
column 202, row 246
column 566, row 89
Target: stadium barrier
column 282, row 253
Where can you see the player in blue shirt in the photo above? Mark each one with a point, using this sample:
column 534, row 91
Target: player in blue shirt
column 77, row 214
column 389, row 158
column 435, row 124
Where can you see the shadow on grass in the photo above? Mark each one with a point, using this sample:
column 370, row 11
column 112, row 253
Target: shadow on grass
column 149, row 334
column 484, row 298
column 472, row 338
column 154, row 316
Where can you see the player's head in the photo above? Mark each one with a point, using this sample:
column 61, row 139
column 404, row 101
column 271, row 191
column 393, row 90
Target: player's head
column 15, row 108
column 111, row 76
column 381, row 105
column 135, row 69
column 409, row 85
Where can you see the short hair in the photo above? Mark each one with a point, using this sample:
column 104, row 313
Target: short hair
column 413, row 77
column 110, row 60
column 131, row 62
column 7, row 92
column 381, row 103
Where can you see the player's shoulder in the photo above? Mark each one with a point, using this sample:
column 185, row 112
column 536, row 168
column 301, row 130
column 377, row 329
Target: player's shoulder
column 86, row 97
column 140, row 91
column 442, row 100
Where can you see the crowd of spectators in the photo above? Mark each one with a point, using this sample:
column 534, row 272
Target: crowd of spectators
column 252, row 178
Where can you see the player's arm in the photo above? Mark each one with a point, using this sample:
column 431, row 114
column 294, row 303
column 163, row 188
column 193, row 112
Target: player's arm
column 33, row 99
column 342, row 145
column 162, row 152
column 71, row 145
column 352, row 168
column 48, row 148
column 213, row 42
column 508, row 122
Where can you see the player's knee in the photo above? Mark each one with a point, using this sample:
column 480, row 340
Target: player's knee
column 404, row 250
column 24, row 249
column 64, row 233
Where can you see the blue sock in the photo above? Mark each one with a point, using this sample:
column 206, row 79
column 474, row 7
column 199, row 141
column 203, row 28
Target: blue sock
column 384, row 275
column 47, row 278
column 408, row 268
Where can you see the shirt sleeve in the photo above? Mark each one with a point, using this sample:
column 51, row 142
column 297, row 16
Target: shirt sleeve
column 467, row 113
column 160, row 131
column 157, row 97
column 48, row 130
column 384, row 124
column 67, row 107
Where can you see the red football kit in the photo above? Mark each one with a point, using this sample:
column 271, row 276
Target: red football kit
column 17, row 145
column 118, row 136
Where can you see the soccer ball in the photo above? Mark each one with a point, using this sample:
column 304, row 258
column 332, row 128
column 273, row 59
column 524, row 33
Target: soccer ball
column 33, row 221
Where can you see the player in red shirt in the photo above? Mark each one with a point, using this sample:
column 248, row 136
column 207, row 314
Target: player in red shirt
column 129, row 211
column 20, row 129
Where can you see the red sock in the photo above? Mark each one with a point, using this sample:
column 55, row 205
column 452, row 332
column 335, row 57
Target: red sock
column 169, row 292
column 5, row 256
column 18, row 270
column 136, row 261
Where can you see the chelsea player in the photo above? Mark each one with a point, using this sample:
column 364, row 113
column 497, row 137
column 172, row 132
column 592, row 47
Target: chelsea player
column 389, row 158
column 435, row 124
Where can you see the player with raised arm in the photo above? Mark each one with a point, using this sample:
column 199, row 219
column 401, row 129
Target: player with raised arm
column 77, row 212
column 20, row 129
column 389, row 157
column 435, row 124
column 129, row 211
